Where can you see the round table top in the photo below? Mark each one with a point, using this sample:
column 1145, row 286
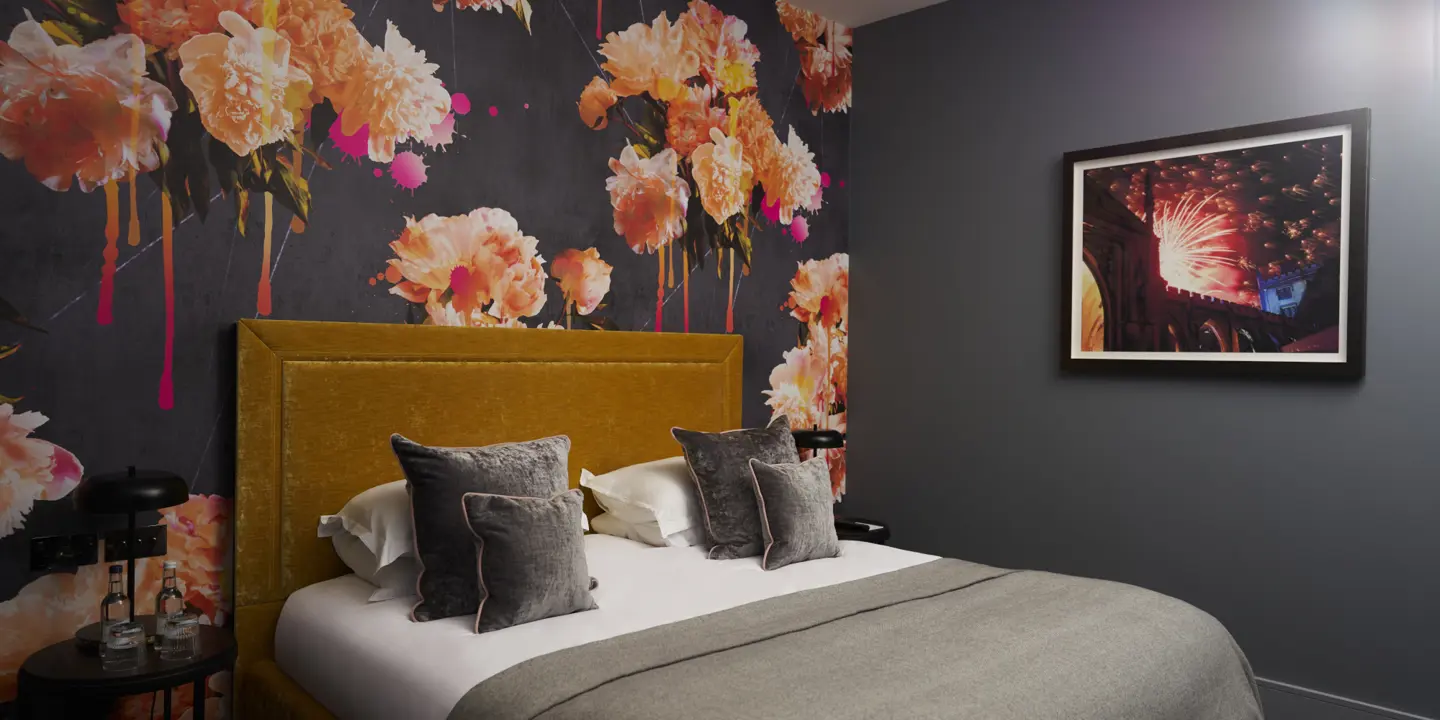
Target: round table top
column 65, row 666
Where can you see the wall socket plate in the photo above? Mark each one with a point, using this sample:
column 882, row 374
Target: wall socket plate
column 149, row 542
column 63, row 552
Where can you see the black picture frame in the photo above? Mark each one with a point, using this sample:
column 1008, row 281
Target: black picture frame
column 1124, row 267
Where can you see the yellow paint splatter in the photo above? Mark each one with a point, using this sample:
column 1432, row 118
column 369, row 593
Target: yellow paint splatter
column 167, row 233
column 103, row 314
column 134, row 212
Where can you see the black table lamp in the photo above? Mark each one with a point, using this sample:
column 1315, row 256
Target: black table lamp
column 814, row 440
column 128, row 493
column 845, row 528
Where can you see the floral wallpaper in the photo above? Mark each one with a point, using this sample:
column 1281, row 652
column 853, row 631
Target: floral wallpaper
column 173, row 165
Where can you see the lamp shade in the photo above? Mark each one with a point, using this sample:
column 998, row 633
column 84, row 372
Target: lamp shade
column 131, row 491
column 819, row 439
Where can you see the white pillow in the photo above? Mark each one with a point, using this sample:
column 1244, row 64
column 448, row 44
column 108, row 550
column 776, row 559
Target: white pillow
column 374, row 535
column 648, row 533
column 398, row 579
column 661, row 492
column 380, row 518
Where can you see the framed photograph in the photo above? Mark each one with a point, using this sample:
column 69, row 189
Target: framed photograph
column 1234, row 252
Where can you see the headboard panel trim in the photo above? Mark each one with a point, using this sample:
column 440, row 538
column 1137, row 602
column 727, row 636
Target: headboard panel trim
column 315, row 403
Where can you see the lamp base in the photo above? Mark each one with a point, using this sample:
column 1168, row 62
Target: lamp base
column 862, row 530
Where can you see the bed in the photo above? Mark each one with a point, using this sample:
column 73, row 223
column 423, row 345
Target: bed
column 876, row 632
column 396, row 668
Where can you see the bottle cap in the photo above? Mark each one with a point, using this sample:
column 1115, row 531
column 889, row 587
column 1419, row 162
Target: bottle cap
column 117, row 568
column 168, row 565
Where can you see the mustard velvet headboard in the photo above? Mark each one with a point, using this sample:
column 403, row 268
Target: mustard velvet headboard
column 317, row 403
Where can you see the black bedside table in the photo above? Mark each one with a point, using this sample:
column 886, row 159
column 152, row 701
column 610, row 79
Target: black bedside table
column 848, row 528
column 64, row 681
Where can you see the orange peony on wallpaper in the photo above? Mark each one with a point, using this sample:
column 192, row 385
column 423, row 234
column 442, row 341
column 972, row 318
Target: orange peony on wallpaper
column 585, row 165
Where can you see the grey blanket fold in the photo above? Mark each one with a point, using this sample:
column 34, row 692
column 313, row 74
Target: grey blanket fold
column 946, row 639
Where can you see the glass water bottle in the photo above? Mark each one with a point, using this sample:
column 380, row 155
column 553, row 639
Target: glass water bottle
column 115, row 608
column 169, row 603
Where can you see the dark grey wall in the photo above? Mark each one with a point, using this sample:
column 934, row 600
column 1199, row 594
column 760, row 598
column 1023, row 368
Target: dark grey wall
column 1303, row 516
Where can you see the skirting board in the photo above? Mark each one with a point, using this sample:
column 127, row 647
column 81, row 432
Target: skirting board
column 1284, row 701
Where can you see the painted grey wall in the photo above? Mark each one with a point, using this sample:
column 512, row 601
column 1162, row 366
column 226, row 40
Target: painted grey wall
column 1305, row 517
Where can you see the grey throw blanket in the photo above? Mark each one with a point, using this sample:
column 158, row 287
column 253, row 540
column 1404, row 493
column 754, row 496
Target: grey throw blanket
column 946, row 639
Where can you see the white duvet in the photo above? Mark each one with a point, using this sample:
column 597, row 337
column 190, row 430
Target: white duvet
column 368, row 660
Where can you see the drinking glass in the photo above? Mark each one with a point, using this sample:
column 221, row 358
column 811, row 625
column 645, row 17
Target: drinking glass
column 124, row 646
column 182, row 637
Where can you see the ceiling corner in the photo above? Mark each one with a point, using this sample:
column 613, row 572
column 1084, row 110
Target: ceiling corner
column 862, row 12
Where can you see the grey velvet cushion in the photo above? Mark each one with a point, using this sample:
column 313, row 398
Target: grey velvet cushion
column 438, row 479
column 719, row 462
column 532, row 558
column 797, row 516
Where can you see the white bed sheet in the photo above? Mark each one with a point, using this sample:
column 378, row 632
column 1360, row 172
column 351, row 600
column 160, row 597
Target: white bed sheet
column 367, row 660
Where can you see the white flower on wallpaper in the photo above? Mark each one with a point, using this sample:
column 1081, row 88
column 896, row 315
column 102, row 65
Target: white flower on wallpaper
column 31, row 469
column 811, row 386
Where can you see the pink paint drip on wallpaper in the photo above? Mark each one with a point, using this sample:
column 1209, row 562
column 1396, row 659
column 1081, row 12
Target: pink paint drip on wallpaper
column 441, row 133
column 460, row 103
column 800, row 229
column 771, row 209
column 262, row 291
column 354, row 146
column 730, row 308
column 408, row 170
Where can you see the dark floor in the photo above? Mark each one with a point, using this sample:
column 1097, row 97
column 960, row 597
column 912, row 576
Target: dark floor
column 1283, row 705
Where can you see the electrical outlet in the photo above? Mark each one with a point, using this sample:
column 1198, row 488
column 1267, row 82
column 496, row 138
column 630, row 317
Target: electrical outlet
column 62, row 552
column 153, row 543
column 149, row 542
column 85, row 548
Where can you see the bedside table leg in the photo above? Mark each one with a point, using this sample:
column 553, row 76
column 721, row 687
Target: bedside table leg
column 167, row 704
column 198, row 704
column 23, row 709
